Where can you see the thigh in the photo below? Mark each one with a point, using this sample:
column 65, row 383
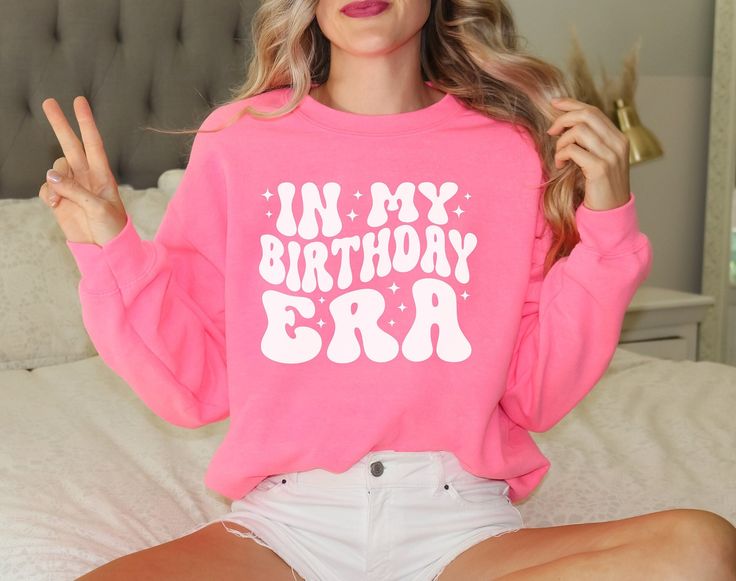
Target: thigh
column 528, row 547
column 208, row 553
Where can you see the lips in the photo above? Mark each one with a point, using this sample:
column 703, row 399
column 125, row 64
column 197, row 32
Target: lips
column 364, row 8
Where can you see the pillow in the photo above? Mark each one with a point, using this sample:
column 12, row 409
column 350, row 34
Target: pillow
column 169, row 180
column 40, row 315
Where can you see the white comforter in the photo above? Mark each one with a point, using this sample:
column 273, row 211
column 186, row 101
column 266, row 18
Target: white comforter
column 88, row 473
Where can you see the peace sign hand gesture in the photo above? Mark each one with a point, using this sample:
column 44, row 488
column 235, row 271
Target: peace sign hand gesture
column 88, row 207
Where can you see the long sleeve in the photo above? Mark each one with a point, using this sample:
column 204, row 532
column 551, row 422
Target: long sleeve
column 572, row 318
column 154, row 309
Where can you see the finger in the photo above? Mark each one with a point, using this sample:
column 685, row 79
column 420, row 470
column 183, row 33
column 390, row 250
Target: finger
column 592, row 166
column 62, row 166
column 71, row 189
column 96, row 156
column 584, row 136
column 596, row 118
column 567, row 103
column 598, row 121
column 48, row 198
column 43, row 193
column 70, row 144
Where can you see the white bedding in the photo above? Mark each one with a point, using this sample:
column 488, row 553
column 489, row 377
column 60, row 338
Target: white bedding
column 88, row 473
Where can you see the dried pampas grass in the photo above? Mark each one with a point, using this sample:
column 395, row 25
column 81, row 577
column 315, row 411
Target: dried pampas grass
column 584, row 86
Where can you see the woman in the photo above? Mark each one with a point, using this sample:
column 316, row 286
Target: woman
column 418, row 257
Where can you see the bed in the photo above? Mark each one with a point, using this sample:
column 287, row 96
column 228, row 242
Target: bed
column 87, row 472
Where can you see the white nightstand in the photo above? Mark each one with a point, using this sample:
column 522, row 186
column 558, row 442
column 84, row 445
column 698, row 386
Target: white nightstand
column 664, row 323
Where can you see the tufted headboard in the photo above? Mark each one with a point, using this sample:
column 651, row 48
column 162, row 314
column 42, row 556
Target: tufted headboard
column 163, row 63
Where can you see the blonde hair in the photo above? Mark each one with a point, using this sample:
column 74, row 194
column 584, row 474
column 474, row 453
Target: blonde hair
column 469, row 48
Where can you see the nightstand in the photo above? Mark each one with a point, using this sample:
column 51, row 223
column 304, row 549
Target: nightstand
column 663, row 323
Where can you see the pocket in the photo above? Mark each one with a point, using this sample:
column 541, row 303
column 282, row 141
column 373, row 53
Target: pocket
column 272, row 482
column 478, row 493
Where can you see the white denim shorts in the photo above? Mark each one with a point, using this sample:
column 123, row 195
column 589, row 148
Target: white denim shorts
column 392, row 516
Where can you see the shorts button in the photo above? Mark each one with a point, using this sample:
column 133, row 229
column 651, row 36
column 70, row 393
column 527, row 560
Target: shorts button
column 377, row 468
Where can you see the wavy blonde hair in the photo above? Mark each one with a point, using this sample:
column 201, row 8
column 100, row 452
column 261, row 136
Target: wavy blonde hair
column 469, row 48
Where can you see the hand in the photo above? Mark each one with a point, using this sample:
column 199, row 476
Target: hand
column 598, row 147
column 89, row 208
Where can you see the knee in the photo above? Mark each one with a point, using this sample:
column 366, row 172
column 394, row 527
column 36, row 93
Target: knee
column 706, row 540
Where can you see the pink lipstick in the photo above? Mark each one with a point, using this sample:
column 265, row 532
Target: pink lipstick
column 364, row 8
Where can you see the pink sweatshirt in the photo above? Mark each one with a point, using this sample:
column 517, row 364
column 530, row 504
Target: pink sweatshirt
column 337, row 283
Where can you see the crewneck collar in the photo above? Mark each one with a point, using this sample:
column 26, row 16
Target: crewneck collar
column 392, row 123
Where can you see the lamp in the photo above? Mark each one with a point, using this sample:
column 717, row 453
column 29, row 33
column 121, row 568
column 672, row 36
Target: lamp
column 643, row 144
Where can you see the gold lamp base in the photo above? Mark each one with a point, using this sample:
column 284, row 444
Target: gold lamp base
column 643, row 145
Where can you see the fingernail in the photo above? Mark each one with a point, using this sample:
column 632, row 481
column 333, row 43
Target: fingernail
column 53, row 176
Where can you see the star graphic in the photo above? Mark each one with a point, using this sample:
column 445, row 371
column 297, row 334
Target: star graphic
column 467, row 196
column 393, row 287
column 458, row 211
column 465, row 295
column 392, row 322
column 321, row 299
column 402, row 306
column 269, row 214
column 357, row 194
column 321, row 323
column 267, row 195
column 352, row 215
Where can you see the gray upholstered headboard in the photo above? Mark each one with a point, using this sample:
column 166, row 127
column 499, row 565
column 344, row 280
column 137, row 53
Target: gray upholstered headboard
column 163, row 63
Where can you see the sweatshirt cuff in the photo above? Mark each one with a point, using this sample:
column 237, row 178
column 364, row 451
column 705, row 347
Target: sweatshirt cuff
column 609, row 232
column 110, row 266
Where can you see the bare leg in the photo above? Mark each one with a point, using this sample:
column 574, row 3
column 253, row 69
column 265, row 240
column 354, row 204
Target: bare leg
column 671, row 544
column 624, row 562
column 208, row 553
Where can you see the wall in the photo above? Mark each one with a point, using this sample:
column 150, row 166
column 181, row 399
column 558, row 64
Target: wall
column 672, row 99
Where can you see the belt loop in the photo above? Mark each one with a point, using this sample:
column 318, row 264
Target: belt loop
column 439, row 470
column 365, row 470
